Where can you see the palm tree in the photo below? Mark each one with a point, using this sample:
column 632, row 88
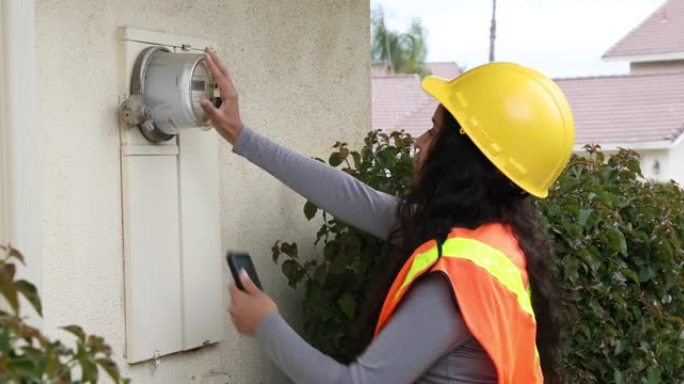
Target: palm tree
column 401, row 52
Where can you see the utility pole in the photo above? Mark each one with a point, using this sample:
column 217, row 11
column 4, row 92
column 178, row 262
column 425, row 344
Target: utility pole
column 492, row 32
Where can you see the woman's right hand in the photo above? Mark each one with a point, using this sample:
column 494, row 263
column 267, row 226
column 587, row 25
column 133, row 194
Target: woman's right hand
column 226, row 118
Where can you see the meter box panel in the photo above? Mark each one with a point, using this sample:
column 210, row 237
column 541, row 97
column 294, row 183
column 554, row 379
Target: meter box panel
column 153, row 278
column 167, row 141
column 202, row 278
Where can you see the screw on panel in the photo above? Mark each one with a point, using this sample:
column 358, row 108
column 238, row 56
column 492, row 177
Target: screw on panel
column 186, row 47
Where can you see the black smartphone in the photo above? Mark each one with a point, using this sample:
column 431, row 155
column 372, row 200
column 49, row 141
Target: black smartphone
column 238, row 261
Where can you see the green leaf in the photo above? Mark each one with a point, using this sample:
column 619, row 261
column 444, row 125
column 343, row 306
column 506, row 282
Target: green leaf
column 596, row 308
column 30, row 292
column 646, row 273
column 14, row 253
column 293, row 271
column 570, row 265
column 97, row 345
column 275, row 251
column 290, row 249
column 357, row 159
column 310, row 210
column 584, row 216
column 330, row 250
column 617, row 240
column 347, row 304
column 25, row 369
column 653, row 375
column 88, row 370
column 344, row 152
column 340, row 262
column 631, row 275
column 110, row 367
column 76, row 331
column 335, row 159
column 320, row 274
column 7, row 287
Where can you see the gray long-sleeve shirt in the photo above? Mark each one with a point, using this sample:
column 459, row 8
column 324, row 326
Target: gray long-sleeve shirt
column 426, row 340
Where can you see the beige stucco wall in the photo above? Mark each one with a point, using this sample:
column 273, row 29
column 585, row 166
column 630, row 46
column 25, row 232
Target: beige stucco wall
column 302, row 70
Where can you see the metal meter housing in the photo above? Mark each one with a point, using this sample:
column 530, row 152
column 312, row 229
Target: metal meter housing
column 166, row 90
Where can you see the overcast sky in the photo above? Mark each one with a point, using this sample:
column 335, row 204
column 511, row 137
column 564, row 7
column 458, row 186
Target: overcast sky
column 562, row 38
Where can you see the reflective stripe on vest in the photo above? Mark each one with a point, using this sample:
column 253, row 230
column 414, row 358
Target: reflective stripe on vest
column 491, row 292
column 490, row 259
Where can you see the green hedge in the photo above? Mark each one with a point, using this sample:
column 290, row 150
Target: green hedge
column 619, row 258
column 618, row 242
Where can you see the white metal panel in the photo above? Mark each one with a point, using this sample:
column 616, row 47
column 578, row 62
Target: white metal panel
column 4, row 204
column 152, row 257
column 200, row 240
column 21, row 130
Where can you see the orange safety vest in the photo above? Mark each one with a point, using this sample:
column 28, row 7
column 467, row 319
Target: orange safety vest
column 486, row 269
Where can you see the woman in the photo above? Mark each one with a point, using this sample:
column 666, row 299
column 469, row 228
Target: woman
column 469, row 281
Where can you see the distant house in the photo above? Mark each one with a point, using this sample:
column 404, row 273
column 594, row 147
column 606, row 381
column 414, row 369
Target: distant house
column 656, row 44
column 643, row 110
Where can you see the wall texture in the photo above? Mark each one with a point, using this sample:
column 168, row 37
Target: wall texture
column 301, row 67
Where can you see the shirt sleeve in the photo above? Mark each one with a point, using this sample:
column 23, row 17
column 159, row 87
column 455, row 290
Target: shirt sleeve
column 345, row 197
column 426, row 326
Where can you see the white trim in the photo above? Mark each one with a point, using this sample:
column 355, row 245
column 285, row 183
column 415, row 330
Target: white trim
column 670, row 56
column 4, row 204
column 678, row 140
column 608, row 147
column 21, row 127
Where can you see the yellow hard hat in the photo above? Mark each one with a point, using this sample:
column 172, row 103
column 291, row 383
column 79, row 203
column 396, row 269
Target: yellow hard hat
column 516, row 116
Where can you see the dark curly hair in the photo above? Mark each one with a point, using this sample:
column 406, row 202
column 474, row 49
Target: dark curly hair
column 459, row 187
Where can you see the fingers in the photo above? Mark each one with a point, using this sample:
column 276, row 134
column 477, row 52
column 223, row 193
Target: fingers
column 248, row 284
column 212, row 112
column 214, row 58
column 222, row 78
column 235, row 293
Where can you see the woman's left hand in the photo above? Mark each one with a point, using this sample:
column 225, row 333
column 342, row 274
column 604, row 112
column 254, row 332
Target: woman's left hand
column 249, row 308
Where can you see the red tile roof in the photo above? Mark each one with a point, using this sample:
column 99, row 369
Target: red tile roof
column 661, row 33
column 395, row 99
column 446, row 70
column 627, row 109
column 398, row 101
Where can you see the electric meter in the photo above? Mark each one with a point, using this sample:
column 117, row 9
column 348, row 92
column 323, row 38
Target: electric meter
column 166, row 90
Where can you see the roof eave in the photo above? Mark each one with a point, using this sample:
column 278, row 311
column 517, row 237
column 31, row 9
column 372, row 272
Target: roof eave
column 666, row 56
